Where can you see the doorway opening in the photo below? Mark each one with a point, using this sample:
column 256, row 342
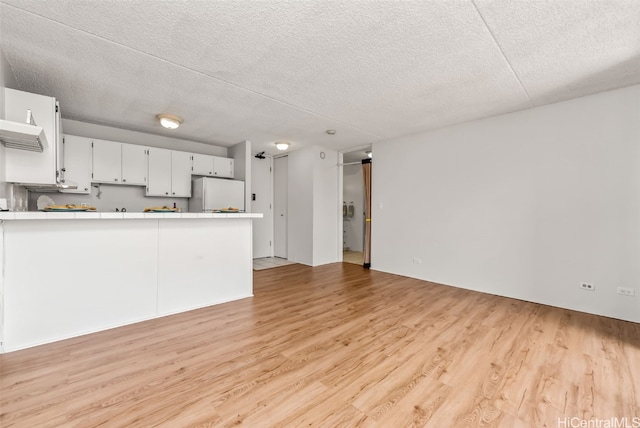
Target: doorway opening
column 269, row 197
column 353, row 207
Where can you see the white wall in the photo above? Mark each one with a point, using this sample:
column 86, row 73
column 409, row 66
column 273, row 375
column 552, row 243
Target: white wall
column 327, row 219
column 354, row 192
column 300, row 201
column 262, row 188
column 8, row 80
column 313, row 193
column 524, row 205
column 241, row 154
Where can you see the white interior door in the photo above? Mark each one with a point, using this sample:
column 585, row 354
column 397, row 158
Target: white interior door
column 280, row 204
column 262, row 202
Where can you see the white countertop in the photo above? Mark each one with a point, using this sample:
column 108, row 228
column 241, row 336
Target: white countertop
column 97, row 215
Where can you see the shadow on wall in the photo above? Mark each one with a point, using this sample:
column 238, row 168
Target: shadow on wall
column 625, row 71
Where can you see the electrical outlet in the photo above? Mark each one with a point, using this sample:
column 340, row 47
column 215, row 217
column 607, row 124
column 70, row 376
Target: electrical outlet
column 417, row 261
column 587, row 286
column 623, row 291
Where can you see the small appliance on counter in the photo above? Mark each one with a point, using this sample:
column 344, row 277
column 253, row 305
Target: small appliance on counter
column 216, row 195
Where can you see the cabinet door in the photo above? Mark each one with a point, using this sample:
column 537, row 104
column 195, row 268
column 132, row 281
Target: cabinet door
column 77, row 163
column 201, row 164
column 159, row 172
column 106, row 162
column 24, row 166
column 134, row 164
column 180, row 174
column 222, row 167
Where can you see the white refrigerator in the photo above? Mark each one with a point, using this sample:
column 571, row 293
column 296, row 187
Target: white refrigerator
column 208, row 194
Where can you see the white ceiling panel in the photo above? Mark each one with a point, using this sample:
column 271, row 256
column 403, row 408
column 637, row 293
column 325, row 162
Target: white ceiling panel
column 289, row 70
column 566, row 49
column 107, row 84
column 385, row 67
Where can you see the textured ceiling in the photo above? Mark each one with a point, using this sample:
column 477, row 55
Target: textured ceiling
column 289, row 70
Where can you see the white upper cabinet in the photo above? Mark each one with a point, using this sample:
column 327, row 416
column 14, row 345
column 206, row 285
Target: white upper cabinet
column 23, row 166
column 107, row 159
column 119, row 163
column 134, row 164
column 169, row 173
column 180, row 174
column 201, row 164
column 159, row 170
column 76, row 164
column 212, row 166
column 222, row 167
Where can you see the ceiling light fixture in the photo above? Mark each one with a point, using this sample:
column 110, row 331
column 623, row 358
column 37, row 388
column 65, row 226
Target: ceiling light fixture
column 368, row 152
column 282, row 145
column 169, row 121
column 331, row 131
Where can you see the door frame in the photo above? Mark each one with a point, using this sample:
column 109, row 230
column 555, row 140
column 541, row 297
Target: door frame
column 341, row 166
column 276, row 188
column 270, row 200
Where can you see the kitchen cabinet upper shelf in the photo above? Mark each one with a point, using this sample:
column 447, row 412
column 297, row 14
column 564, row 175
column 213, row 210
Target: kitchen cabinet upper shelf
column 163, row 172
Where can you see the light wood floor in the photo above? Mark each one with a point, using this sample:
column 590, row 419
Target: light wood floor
column 335, row 346
column 356, row 257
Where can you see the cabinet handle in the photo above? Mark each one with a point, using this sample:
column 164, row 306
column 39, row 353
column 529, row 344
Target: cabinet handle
column 173, row 193
column 85, row 189
column 166, row 193
column 116, row 179
column 124, row 180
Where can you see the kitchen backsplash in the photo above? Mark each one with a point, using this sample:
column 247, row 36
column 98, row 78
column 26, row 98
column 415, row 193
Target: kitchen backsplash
column 108, row 197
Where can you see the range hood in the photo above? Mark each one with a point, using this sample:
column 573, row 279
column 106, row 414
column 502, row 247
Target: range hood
column 61, row 184
column 23, row 136
column 48, row 188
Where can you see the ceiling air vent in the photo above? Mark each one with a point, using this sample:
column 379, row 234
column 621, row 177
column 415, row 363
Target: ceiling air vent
column 23, row 136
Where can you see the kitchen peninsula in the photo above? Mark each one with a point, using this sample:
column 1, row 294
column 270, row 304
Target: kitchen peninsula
column 65, row 274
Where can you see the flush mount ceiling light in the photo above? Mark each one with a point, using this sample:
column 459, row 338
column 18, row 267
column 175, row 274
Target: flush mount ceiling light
column 169, row 121
column 282, row 145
